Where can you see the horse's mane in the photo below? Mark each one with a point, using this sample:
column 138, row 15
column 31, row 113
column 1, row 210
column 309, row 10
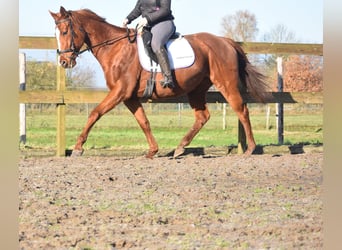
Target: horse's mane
column 87, row 13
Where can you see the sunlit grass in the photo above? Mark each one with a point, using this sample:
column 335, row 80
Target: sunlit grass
column 120, row 129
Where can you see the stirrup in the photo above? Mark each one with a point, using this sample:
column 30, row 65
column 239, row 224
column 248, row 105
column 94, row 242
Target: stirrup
column 167, row 83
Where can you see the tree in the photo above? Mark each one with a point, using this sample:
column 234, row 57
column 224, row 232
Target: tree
column 241, row 26
column 80, row 77
column 303, row 73
column 278, row 34
column 42, row 76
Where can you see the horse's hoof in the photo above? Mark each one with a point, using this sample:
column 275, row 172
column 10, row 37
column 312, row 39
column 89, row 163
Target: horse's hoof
column 151, row 154
column 77, row 153
column 248, row 152
column 178, row 152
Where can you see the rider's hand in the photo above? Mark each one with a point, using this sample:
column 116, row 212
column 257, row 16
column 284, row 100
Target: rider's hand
column 142, row 22
column 124, row 23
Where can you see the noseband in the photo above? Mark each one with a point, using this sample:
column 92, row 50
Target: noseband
column 76, row 52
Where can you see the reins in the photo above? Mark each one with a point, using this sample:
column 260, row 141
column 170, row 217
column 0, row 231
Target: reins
column 111, row 41
column 135, row 33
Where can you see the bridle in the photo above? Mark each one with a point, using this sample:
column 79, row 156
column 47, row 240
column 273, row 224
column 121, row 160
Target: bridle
column 72, row 48
column 76, row 52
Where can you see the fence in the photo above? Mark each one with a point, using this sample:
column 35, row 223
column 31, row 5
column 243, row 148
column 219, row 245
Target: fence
column 61, row 96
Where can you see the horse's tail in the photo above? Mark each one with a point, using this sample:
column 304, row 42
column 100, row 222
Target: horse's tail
column 251, row 78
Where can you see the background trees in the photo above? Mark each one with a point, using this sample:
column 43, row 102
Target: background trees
column 42, row 76
column 241, row 26
column 301, row 73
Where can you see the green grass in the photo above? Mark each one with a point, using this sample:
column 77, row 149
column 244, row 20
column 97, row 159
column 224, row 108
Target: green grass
column 119, row 130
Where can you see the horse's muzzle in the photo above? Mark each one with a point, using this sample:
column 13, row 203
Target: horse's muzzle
column 69, row 62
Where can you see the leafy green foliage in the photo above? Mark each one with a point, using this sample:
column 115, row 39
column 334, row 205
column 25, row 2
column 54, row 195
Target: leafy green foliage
column 42, row 76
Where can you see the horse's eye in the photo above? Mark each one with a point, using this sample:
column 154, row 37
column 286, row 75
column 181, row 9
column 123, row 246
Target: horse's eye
column 64, row 33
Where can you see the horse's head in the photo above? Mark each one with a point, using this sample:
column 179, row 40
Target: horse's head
column 70, row 37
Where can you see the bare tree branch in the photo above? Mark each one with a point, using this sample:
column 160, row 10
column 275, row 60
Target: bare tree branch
column 242, row 26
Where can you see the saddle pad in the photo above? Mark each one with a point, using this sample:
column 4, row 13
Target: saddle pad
column 180, row 52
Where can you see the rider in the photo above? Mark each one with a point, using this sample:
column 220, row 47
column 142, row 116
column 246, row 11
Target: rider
column 156, row 15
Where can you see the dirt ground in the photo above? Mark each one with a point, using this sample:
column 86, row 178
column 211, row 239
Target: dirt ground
column 268, row 201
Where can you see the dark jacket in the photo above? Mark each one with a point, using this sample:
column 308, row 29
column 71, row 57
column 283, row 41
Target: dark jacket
column 154, row 11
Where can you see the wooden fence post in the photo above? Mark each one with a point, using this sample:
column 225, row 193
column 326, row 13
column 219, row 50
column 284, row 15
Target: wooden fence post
column 61, row 113
column 224, row 116
column 280, row 109
column 180, row 108
column 22, row 106
column 268, row 113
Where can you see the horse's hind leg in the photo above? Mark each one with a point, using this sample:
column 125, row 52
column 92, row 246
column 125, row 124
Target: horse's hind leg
column 242, row 112
column 137, row 110
column 235, row 100
column 226, row 80
column 202, row 115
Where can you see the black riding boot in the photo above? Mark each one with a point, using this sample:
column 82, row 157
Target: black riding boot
column 164, row 63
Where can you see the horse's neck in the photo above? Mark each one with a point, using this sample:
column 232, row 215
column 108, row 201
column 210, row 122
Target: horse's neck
column 99, row 33
column 104, row 37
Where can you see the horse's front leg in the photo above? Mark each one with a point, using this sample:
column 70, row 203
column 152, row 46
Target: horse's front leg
column 107, row 104
column 137, row 110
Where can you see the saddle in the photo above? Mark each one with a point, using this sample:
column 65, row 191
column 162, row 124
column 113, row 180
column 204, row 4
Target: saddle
column 180, row 53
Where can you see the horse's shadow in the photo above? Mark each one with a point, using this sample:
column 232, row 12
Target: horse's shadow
column 199, row 151
column 231, row 149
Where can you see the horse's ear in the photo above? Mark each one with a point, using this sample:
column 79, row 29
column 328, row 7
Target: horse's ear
column 63, row 12
column 54, row 15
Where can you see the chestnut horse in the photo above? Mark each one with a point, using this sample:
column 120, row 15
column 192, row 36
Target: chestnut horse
column 219, row 61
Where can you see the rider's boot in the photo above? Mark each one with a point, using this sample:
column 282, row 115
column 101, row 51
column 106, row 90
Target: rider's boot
column 164, row 63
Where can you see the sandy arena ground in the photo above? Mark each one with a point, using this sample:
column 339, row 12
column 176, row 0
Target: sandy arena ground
column 269, row 201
